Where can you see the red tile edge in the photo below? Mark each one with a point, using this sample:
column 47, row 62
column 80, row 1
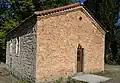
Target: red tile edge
column 50, row 11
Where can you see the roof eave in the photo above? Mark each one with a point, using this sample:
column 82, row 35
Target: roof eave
column 51, row 11
column 98, row 25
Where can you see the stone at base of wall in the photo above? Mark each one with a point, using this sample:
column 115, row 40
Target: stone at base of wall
column 96, row 70
column 18, row 76
column 52, row 79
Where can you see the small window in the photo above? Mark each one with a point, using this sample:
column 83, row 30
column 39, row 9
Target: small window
column 17, row 46
column 80, row 18
column 11, row 47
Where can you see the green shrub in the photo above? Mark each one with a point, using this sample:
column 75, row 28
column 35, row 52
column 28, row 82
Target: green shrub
column 113, row 61
column 118, row 57
column 109, row 59
column 60, row 80
column 23, row 81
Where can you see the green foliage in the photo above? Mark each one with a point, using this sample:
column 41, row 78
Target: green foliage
column 21, row 10
column 60, row 80
column 113, row 60
column 23, row 81
column 2, row 48
column 48, row 4
column 70, row 80
column 105, row 12
column 117, row 58
column 109, row 59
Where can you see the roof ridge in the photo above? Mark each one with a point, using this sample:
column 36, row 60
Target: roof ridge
column 94, row 20
column 56, row 10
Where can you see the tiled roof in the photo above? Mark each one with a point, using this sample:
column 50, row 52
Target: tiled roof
column 62, row 9
column 55, row 10
column 72, row 6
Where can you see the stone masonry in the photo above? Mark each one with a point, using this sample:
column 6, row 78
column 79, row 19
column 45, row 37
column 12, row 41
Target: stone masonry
column 23, row 65
column 58, row 36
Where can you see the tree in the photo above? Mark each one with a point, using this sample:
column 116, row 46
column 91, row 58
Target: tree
column 48, row 4
column 12, row 12
column 105, row 11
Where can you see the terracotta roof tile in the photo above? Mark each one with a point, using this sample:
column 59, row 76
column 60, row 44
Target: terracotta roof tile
column 64, row 8
column 55, row 10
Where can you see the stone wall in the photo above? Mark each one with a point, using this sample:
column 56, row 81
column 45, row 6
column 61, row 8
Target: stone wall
column 23, row 65
column 58, row 37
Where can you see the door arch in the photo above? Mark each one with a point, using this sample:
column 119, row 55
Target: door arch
column 79, row 58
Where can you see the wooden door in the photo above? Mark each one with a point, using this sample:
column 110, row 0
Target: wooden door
column 79, row 58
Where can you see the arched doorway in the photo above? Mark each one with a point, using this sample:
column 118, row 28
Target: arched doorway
column 79, row 58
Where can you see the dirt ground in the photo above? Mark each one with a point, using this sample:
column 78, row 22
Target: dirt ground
column 111, row 71
column 5, row 76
